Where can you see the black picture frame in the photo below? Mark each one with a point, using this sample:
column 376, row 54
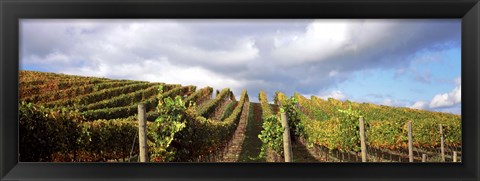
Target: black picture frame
column 11, row 11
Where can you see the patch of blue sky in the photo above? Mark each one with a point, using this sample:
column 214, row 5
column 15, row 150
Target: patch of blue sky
column 33, row 67
column 50, row 67
column 442, row 65
column 439, row 71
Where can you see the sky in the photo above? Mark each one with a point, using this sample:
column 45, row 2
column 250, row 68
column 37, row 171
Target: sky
column 411, row 63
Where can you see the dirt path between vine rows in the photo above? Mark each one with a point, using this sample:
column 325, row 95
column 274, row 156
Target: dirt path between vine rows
column 245, row 145
column 220, row 110
column 235, row 146
column 301, row 153
column 252, row 144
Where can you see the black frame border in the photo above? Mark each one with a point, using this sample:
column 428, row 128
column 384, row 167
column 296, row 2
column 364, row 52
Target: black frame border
column 11, row 11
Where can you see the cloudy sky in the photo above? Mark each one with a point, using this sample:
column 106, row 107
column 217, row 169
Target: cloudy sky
column 407, row 63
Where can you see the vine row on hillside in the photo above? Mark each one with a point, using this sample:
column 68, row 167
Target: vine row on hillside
column 72, row 91
column 329, row 122
column 127, row 111
column 98, row 95
column 208, row 108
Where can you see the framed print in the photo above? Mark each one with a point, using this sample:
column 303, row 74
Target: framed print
column 239, row 90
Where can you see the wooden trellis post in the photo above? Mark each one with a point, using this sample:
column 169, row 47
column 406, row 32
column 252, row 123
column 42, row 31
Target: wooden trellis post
column 442, row 143
column 410, row 142
column 363, row 146
column 454, row 156
column 287, row 147
column 142, row 134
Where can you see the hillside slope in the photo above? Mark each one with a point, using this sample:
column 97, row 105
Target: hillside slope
column 76, row 118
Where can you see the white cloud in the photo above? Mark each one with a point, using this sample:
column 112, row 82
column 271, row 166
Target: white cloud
column 333, row 40
column 419, row 105
column 393, row 102
column 336, row 94
column 447, row 99
column 448, row 102
column 322, row 39
column 162, row 70
column 333, row 73
column 244, row 50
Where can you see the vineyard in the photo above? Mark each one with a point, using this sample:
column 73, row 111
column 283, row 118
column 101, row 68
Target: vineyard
column 67, row 118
